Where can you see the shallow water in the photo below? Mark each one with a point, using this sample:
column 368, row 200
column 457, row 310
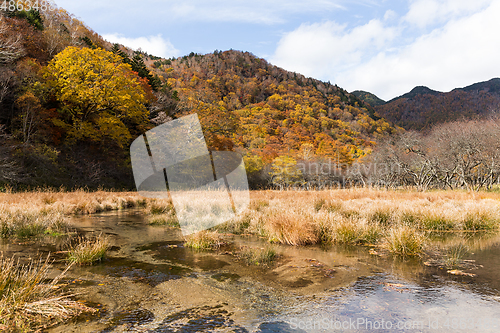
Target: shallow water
column 151, row 283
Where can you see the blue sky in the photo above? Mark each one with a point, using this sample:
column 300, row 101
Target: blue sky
column 386, row 47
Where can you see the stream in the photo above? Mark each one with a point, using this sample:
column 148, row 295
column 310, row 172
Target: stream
column 149, row 282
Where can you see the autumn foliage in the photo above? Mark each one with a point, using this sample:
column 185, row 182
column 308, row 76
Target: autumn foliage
column 263, row 111
column 98, row 94
column 78, row 101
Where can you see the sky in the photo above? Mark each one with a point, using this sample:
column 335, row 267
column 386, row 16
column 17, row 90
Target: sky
column 386, row 47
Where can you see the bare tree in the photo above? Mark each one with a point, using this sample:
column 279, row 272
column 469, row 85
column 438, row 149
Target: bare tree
column 467, row 153
column 163, row 107
column 9, row 171
column 462, row 154
column 402, row 160
column 30, row 106
column 6, row 76
column 11, row 47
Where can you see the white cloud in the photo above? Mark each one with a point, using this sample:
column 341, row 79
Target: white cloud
column 390, row 15
column 154, row 45
column 423, row 13
column 460, row 53
column 257, row 11
column 323, row 49
column 240, row 11
column 389, row 61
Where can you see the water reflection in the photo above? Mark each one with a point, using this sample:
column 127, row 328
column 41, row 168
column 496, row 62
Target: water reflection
column 150, row 282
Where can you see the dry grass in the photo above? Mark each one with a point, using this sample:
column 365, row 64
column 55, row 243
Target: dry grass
column 27, row 301
column 258, row 256
column 26, row 221
column 290, row 227
column 455, row 253
column 30, row 214
column 169, row 220
column 75, row 202
column 354, row 216
column 161, row 212
column 89, row 250
column 204, row 240
column 366, row 216
column 405, row 241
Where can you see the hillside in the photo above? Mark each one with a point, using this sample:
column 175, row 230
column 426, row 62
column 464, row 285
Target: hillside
column 274, row 111
column 422, row 107
column 368, row 97
column 62, row 127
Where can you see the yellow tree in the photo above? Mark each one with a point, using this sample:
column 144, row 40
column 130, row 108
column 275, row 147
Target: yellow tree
column 285, row 173
column 99, row 94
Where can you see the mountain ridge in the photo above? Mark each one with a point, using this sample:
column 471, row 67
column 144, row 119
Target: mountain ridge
column 422, row 107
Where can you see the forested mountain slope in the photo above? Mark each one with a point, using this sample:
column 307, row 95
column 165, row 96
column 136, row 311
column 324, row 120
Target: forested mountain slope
column 422, row 107
column 71, row 104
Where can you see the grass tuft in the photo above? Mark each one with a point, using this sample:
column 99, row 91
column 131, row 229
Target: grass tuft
column 204, row 240
column 259, row 257
column 455, row 253
column 157, row 208
column 26, row 223
column 437, row 223
column 89, row 250
column 28, row 302
column 479, row 222
column 259, row 205
column 167, row 219
column 405, row 241
column 332, row 206
column 381, row 216
column 347, row 232
column 372, row 234
column 290, row 228
column 318, row 204
column 409, row 218
column 238, row 225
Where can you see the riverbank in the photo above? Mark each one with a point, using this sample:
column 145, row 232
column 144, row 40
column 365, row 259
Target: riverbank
column 438, row 228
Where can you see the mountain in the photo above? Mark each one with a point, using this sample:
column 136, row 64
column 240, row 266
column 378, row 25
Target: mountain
column 275, row 111
column 367, row 97
column 422, row 107
column 419, row 90
column 63, row 125
column 491, row 86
